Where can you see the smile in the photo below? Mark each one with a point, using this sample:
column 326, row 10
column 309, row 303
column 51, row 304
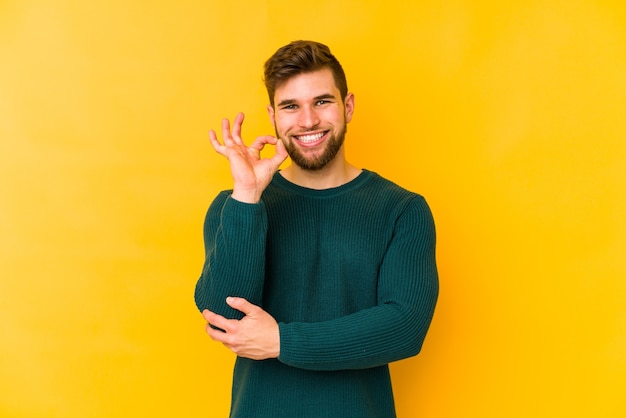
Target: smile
column 309, row 139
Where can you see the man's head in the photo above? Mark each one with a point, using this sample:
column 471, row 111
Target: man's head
column 310, row 105
column 302, row 57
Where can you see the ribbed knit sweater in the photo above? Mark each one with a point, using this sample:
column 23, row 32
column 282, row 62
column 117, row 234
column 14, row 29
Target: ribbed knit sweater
column 349, row 273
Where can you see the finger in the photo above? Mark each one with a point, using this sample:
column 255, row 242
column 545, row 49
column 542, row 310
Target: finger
column 228, row 139
column 237, row 127
column 205, row 314
column 281, row 152
column 241, row 305
column 219, row 321
column 261, row 141
column 216, row 334
column 215, row 143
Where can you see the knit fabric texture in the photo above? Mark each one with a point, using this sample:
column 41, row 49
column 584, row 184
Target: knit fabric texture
column 349, row 273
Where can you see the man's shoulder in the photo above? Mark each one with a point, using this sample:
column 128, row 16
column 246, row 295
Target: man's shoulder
column 390, row 188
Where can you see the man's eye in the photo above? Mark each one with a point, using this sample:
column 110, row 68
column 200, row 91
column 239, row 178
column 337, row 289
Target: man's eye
column 290, row 107
column 321, row 102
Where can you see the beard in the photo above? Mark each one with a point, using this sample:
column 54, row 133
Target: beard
column 333, row 145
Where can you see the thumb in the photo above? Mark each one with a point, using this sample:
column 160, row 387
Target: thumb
column 241, row 305
column 281, row 151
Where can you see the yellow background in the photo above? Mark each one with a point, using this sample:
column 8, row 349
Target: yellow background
column 509, row 117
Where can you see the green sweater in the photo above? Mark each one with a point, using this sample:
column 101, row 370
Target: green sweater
column 349, row 273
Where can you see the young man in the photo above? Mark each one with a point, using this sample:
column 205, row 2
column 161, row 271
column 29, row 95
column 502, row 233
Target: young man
column 320, row 274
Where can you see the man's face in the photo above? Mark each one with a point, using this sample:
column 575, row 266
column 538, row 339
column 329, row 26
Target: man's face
column 310, row 118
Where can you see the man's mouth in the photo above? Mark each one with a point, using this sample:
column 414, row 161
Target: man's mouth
column 310, row 138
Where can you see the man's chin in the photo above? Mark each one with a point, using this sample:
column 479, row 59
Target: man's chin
column 309, row 164
column 312, row 160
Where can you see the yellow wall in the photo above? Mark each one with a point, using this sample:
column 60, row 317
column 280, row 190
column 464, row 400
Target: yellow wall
column 510, row 117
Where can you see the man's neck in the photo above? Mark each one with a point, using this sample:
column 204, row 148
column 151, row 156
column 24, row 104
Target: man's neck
column 334, row 174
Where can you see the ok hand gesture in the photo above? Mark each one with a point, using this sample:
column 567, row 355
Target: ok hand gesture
column 251, row 174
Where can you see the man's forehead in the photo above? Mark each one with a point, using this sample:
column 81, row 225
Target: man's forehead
column 307, row 86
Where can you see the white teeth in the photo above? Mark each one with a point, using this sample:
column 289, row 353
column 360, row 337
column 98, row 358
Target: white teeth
column 310, row 138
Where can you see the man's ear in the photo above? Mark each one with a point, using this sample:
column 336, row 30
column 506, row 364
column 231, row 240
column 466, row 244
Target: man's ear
column 270, row 112
column 348, row 104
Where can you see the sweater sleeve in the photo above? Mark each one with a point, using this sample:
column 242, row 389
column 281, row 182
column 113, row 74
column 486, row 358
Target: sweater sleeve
column 234, row 239
column 393, row 329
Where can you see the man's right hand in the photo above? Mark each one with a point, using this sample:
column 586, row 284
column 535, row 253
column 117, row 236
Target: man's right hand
column 251, row 174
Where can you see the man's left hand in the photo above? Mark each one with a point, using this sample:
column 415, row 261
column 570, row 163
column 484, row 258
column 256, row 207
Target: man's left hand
column 255, row 336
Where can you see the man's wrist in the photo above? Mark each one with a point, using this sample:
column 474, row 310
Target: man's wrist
column 246, row 196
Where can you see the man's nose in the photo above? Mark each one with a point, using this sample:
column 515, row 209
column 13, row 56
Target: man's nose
column 308, row 118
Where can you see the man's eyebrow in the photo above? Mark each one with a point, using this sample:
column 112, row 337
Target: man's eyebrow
column 324, row 96
column 288, row 102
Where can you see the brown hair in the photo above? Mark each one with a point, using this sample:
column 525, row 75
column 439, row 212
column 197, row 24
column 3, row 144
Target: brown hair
column 302, row 57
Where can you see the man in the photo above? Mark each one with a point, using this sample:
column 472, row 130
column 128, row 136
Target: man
column 320, row 274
